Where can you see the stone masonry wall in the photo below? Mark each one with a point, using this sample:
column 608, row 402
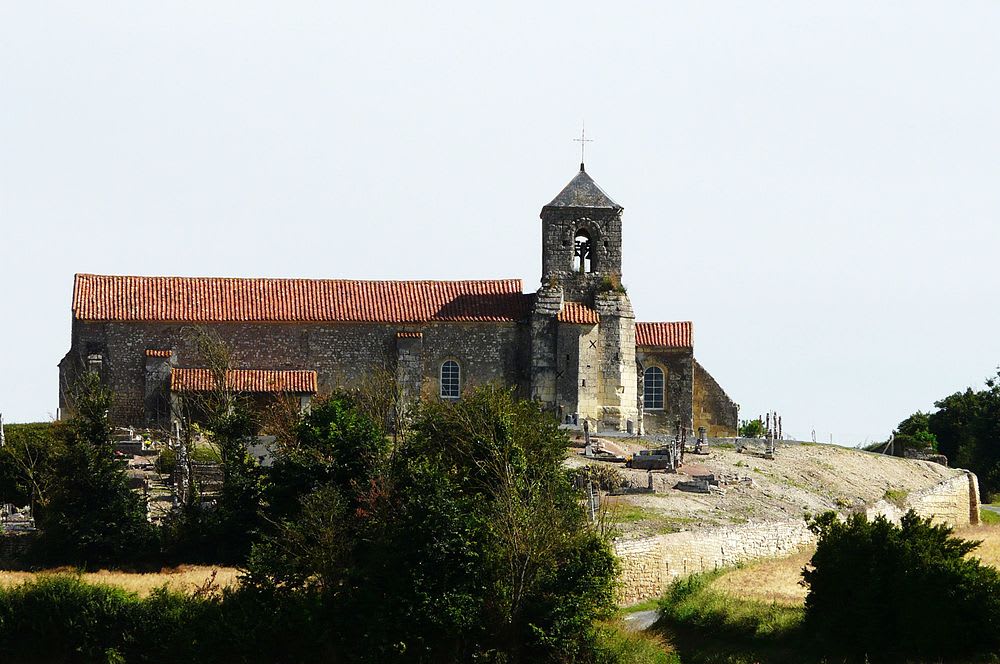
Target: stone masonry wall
column 677, row 390
column 342, row 354
column 713, row 409
column 651, row 564
column 954, row 501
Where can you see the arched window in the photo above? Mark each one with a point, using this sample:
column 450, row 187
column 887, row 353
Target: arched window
column 451, row 379
column 652, row 388
column 583, row 252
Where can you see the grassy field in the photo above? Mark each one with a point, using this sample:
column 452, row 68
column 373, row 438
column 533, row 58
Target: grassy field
column 185, row 578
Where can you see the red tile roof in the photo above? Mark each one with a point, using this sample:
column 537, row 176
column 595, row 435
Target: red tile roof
column 217, row 300
column 574, row 312
column 150, row 352
column 664, row 335
column 244, row 380
column 406, row 334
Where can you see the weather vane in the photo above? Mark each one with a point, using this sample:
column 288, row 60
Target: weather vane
column 583, row 140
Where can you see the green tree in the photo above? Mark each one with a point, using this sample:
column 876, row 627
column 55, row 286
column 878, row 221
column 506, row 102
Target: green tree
column 967, row 428
column 752, row 428
column 465, row 542
column 90, row 515
column 25, row 461
column 879, row 589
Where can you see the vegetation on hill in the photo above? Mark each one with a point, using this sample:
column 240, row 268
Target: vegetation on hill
column 877, row 592
column 462, row 540
column 965, row 428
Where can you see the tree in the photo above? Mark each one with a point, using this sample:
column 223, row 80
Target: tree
column 90, row 516
column 464, row 542
column 220, row 416
column 752, row 428
column 914, row 433
column 25, row 461
column 878, row 588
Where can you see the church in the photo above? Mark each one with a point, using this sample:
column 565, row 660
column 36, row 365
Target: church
column 574, row 344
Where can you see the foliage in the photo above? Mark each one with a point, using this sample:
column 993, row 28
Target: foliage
column 166, row 461
column 63, row 619
column 913, row 433
column 466, row 542
column 608, row 478
column 25, row 460
column 966, row 429
column 690, row 601
column 333, row 444
column 611, row 284
column 615, row 645
column 910, row 589
column 89, row 514
column 752, row 428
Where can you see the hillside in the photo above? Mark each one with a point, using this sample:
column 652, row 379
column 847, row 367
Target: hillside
column 802, row 478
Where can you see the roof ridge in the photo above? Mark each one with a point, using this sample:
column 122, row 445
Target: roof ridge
column 80, row 275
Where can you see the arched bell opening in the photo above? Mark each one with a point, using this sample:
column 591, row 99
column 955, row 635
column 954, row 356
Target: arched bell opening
column 583, row 252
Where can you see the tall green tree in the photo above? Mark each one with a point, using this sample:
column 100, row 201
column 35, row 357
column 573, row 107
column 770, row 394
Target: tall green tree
column 465, row 542
column 90, row 515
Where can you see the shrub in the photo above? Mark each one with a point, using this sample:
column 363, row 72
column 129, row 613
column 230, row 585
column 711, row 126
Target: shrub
column 879, row 589
column 608, row 478
column 166, row 462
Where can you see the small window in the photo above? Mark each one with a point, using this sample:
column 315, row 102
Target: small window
column 583, row 255
column 652, row 389
column 451, row 379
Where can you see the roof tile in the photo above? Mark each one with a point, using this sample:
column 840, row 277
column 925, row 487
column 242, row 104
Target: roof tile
column 574, row 312
column 664, row 335
column 217, row 300
column 244, row 380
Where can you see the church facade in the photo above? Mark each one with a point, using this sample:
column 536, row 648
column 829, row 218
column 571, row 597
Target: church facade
column 574, row 345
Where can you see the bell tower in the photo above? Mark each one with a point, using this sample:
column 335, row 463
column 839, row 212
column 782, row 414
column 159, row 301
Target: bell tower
column 582, row 324
column 582, row 239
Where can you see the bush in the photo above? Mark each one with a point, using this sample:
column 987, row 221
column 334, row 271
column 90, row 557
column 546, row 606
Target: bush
column 881, row 589
column 166, row 462
column 63, row 619
column 608, row 478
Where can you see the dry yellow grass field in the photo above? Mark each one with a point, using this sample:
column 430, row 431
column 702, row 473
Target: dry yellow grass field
column 185, row 578
column 778, row 580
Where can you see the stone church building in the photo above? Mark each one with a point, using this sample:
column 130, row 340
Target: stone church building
column 574, row 344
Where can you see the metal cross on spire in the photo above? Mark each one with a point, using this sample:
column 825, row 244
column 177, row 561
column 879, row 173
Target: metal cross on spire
column 583, row 140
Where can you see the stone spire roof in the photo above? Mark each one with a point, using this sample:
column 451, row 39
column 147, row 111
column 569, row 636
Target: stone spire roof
column 583, row 192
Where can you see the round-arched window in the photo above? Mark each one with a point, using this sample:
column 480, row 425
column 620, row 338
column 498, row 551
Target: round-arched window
column 583, row 252
column 451, row 379
column 652, row 388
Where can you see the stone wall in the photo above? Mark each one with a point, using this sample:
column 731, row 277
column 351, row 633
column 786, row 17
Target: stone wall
column 954, row 501
column 678, row 375
column 713, row 409
column 651, row 564
column 342, row 354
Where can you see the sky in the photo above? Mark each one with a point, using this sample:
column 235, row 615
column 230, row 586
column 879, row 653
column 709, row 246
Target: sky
column 815, row 185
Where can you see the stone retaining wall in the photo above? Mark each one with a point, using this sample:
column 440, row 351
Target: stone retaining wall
column 651, row 564
column 954, row 501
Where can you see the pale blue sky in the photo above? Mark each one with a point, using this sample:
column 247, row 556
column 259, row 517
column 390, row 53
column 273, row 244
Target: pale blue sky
column 813, row 184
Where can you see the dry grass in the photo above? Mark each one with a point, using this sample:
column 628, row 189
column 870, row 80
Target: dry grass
column 989, row 551
column 777, row 580
column 772, row 581
column 185, row 578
